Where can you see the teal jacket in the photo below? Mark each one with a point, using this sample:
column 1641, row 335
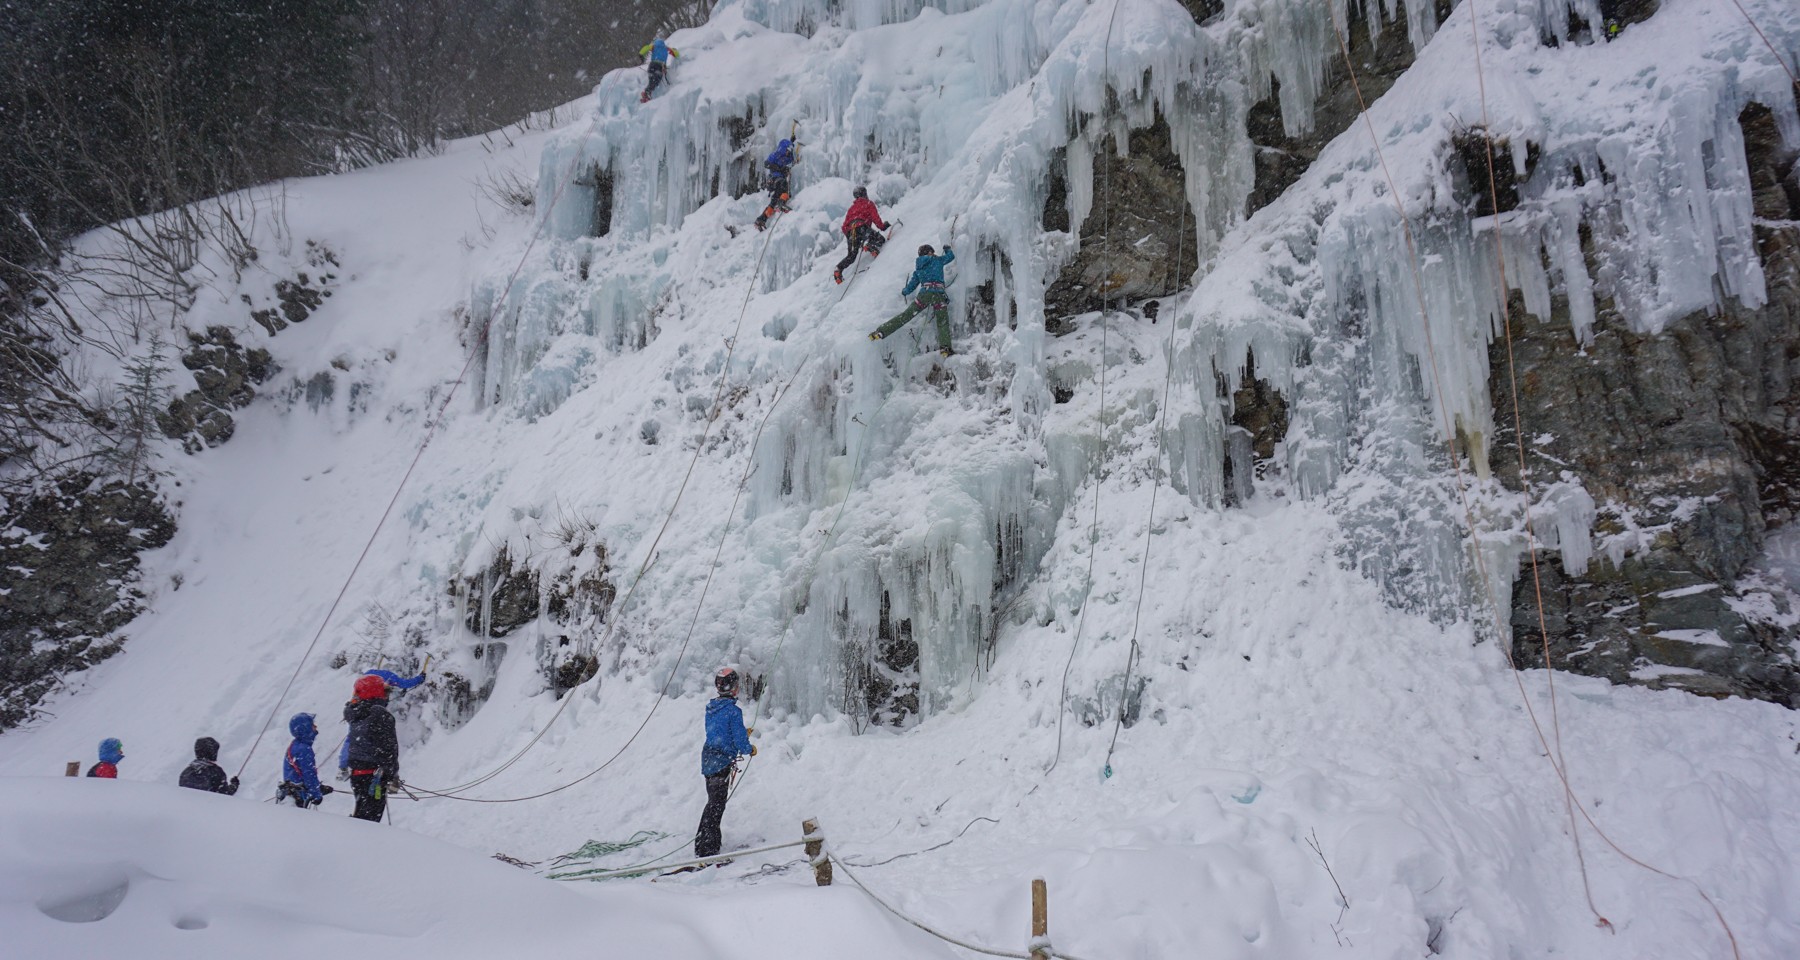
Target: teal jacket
column 929, row 270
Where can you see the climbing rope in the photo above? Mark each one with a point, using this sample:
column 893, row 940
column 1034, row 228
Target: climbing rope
column 1561, row 763
column 1552, row 753
column 431, row 429
column 830, row 534
column 1783, row 64
column 1162, row 419
column 650, row 555
column 939, row 934
column 1099, row 415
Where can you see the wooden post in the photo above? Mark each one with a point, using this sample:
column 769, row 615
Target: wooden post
column 1040, row 921
column 72, row 769
column 815, row 852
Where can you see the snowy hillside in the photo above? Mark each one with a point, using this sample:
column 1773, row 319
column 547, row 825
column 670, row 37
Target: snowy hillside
column 1040, row 609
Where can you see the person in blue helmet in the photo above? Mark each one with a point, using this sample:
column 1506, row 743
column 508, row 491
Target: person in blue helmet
column 111, row 752
column 299, row 769
column 778, row 164
column 659, row 53
column 928, row 279
column 727, row 739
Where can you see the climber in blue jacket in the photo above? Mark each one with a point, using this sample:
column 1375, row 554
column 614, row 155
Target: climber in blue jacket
column 726, row 740
column 659, row 53
column 778, row 165
column 299, row 769
column 928, row 279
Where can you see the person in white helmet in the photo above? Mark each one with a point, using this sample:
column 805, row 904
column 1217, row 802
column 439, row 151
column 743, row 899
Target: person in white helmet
column 727, row 739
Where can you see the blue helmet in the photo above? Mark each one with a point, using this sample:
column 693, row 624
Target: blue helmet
column 111, row 750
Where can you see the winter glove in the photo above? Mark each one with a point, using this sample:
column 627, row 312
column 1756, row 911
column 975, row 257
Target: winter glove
column 325, row 788
column 234, row 784
column 753, row 749
column 343, row 773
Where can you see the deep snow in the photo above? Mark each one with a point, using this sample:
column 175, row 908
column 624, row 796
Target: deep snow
column 1287, row 699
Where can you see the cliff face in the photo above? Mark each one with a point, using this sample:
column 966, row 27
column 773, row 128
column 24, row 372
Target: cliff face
column 1689, row 442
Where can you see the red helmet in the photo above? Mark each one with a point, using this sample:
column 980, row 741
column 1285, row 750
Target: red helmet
column 370, row 688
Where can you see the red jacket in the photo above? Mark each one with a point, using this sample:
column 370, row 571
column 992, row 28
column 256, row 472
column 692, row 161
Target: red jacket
column 863, row 211
column 104, row 769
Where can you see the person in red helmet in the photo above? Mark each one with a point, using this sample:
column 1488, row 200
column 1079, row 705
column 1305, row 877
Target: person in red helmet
column 862, row 231
column 372, row 748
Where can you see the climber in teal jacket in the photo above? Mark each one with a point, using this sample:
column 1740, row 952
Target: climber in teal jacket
column 928, row 279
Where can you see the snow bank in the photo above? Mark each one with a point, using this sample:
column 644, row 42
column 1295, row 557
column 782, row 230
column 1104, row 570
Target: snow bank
column 93, row 868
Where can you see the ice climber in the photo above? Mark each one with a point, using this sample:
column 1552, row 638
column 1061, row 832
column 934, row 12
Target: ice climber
column 205, row 773
column 392, row 681
column 372, row 749
column 111, row 752
column 727, row 739
column 928, row 279
column 778, row 164
column 659, row 53
column 862, row 231
column 300, row 769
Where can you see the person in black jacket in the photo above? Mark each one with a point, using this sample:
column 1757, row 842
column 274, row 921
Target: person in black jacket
column 205, row 773
column 373, row 749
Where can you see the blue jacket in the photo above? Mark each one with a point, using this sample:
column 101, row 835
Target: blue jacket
column 299, row 766
column 726, row 738
column 929, row 269
column 393, row 679
column 783, row 158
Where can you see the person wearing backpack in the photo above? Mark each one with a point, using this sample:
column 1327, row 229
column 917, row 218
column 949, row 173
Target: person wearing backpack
column 205, row 773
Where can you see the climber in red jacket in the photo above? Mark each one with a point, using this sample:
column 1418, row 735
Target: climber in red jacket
column 862, row 231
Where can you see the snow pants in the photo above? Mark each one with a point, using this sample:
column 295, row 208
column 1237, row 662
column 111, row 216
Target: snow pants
column 656, row 78
column 709, row 836
column 939, row 304
column 371, row 796
column 864, row 237
column 778, row 198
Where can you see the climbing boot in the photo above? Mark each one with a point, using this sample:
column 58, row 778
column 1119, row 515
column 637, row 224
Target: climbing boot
column 946, row 352
column 837, row 276
column 875, row 336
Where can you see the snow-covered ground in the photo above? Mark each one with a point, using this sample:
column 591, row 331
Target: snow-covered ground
column 1286, row 701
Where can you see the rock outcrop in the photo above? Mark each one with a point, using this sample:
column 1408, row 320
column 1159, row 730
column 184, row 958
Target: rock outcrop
column 1689, row 443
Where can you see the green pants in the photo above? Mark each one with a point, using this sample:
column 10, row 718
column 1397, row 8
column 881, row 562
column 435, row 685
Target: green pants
column 940, row 307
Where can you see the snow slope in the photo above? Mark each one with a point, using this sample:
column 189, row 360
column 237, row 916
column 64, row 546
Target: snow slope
column 1290, row 687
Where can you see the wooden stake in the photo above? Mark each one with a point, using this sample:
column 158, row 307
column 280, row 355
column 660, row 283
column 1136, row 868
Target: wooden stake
column 1040, row 921
column 815, row 852
column 73, row 769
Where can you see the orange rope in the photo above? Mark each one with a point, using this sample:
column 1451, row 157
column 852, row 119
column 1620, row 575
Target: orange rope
column 1525, row 483
column 1558, row 764
column 1765, row 39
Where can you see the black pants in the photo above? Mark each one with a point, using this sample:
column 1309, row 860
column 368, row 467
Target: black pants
column 864, row 236
column 778, row 198
column 656, row 78
column 371, row 796
column 718, row 790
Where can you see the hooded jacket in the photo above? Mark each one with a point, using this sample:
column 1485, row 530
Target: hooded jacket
column 372, row 743
column 300, row 766
column 779, row 161
column 659, row 51
column 205, row 773
column 111, row 752
column 929, row 271
column 726, row 738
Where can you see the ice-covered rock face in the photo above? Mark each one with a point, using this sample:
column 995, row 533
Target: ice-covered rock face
column 880, row 503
